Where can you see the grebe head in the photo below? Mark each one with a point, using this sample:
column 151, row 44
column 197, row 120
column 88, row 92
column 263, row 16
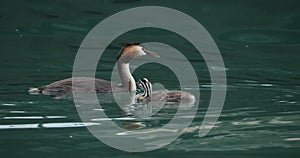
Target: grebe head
column 146, row 85
column 131, row 50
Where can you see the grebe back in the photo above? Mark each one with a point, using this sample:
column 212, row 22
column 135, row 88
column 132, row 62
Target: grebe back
column 162, row 95
column 82, row 84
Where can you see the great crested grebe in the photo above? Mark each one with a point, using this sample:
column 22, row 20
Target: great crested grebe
column 162, row 95
column 82, row 84
column 146, row 85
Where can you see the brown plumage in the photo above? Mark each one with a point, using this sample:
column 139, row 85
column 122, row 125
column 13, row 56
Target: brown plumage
column 173, row 96
column 162, row 95
column 83, row 84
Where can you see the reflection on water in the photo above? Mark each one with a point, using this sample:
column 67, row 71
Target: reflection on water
column 236, row 124
column 47, row 125
column 257, row 115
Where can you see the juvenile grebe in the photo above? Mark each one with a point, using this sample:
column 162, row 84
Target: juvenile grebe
column 82, row 84
column 146, row 85
column 162, row 95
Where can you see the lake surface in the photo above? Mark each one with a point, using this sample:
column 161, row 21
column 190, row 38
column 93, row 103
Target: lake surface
column 259, row 42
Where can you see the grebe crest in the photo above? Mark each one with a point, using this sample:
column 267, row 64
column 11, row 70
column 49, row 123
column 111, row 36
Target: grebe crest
column 131, row 50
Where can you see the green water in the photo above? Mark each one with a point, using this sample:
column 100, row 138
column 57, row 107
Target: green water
column 259, row 42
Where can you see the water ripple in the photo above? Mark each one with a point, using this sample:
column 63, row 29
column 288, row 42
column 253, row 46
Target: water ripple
column 49, row 125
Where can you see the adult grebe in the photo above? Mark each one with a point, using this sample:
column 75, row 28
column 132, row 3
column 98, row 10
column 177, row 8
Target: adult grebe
column 162, row 95
column 82, row 84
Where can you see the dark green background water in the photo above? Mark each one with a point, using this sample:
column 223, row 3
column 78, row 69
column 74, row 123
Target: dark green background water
column 259, row 41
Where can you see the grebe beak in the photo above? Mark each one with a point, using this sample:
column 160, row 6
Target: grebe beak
column 149, row 53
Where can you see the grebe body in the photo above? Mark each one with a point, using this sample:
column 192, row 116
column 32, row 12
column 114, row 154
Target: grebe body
column 162, row 95
column 83, row 84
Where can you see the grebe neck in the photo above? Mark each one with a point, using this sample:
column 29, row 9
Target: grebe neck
column 127, row 79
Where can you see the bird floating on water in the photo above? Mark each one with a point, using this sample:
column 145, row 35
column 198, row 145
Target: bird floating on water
column 162, row 95
column 83, row 84
column 128, row 84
